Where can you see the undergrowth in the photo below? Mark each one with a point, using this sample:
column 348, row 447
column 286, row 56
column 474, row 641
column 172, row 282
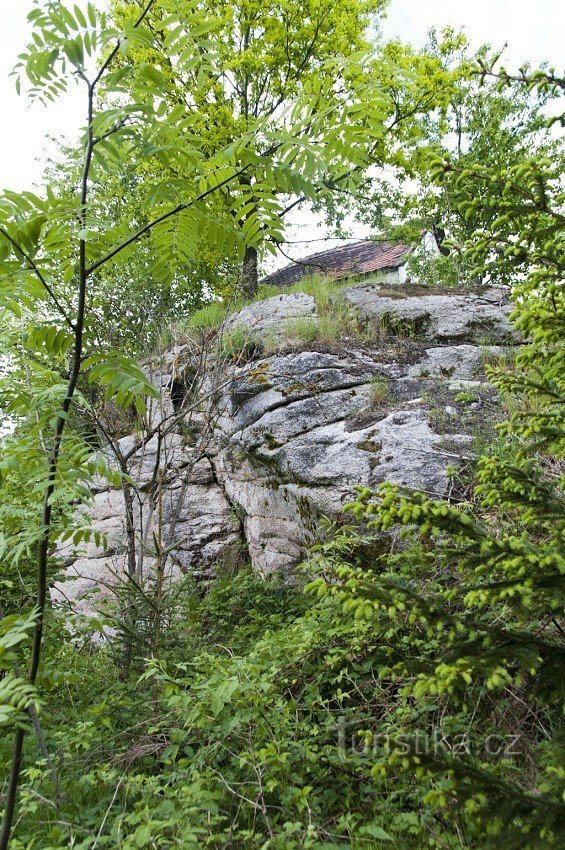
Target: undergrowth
column 298, row 717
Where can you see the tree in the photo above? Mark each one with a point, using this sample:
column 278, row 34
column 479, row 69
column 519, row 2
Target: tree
column 482, row 124
column 261, row 56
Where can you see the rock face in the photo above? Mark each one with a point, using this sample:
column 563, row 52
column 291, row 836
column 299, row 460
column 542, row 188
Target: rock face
column 254, row 449
column 437, row 317
column 270, row 317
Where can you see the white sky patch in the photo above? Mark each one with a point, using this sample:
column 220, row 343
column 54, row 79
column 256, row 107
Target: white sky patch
column 534, row 32
column 25, row 139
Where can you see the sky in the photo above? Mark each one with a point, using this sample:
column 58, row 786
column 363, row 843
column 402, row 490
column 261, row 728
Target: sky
column 534, row 32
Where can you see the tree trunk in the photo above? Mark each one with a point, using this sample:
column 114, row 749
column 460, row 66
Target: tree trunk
column 249, row 278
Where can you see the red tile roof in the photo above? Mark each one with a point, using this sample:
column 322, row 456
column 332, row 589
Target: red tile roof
column 356, row 258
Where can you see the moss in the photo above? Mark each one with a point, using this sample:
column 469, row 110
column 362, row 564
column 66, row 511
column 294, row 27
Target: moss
column 405, row 290
column 401, row 352
column 466, row 397
column 369, row 445
column 365, row 419
column 487, row 330
column 453, row 447
column 271, row 442
column 300, row 388
column 260, row 376
column 466, row 419
column 446, row 371
column 404, row 327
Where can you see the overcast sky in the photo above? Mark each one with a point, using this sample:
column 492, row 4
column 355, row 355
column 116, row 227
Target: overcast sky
column 534, row 32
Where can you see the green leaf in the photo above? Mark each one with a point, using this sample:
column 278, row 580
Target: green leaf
column 79, row 14
column 375, row 832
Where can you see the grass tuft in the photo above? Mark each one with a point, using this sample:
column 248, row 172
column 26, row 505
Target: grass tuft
column 210, row 316
column 379, row 390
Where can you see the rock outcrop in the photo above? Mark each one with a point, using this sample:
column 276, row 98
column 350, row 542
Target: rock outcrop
column 253, row 448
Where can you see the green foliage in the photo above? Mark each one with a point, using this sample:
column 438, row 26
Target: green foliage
column 474, row 593
column 431, row 268
column 264, row 63
column 16, row 694
column 352, row 714
column 360, row 712
column 130, row 305
column 236, row 344
column 487, row 156
column 320, row 288
column 334, row 320
column 63, row 39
